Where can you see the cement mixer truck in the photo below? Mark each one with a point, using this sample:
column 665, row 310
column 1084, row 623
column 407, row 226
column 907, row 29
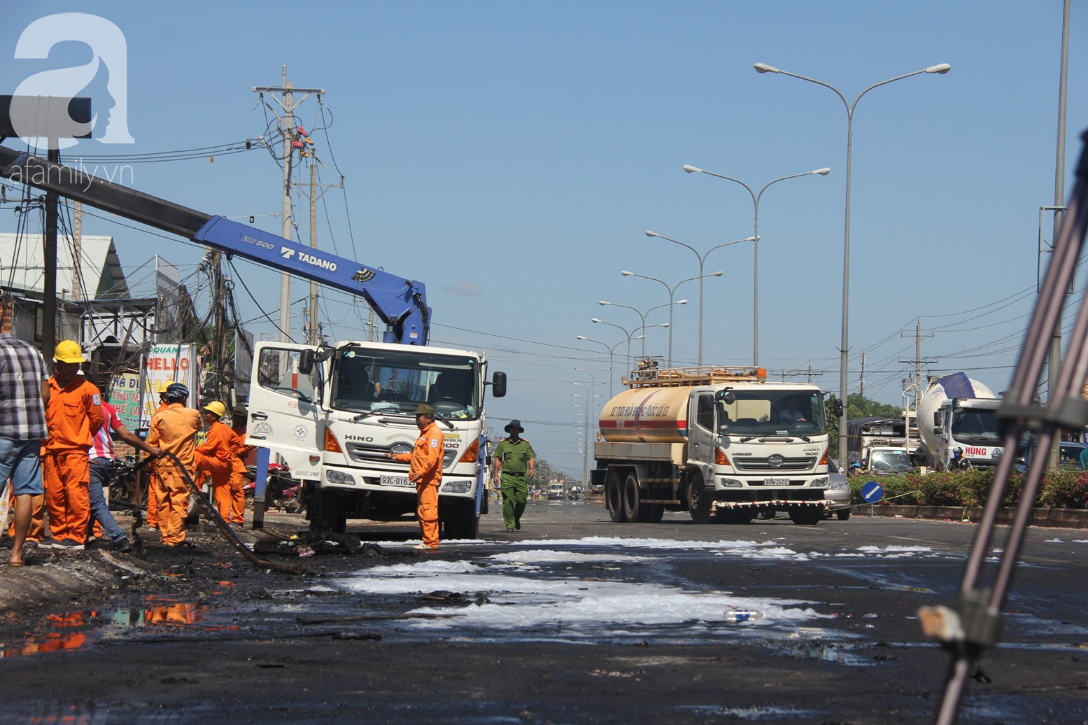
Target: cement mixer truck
column 722, row 443
column 958, row 412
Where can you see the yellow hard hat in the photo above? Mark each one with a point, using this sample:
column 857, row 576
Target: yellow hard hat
column 68, row 351
column 164, row 385
column 217, row 408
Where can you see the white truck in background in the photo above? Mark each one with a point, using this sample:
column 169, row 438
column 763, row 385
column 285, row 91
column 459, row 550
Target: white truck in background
column 958, row 412
column 723, row 443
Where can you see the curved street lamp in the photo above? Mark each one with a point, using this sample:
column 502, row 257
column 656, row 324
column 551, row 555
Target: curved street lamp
column 672, row 292
column 642, row 315
column 610, row 351
column 755, row 267
column 625, row 332
column 702, row 259
column 844, row 349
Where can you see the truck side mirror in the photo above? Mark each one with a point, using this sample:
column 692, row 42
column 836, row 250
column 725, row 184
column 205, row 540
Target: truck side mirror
column 937, row 419
column 498, row 384
column 727, row 397
column 306, row 362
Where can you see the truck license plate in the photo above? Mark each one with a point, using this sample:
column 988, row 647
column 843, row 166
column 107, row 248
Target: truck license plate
column 395, row 481
column 776, row 482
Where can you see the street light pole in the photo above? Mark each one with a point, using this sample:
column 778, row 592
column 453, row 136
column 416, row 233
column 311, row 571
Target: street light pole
column 589, row 396
column 642, row 315
column 610, row 351
column 702, row 259
column 672, row 292
column 625, row 332
column 844, row 350
column 755, row 238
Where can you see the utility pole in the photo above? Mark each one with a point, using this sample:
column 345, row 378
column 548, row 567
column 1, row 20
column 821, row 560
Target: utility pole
column 287, row 104
column 77, row 254
column 862, row 381
column 313, row 332
column 49, row 250
column 313, row 337
column 1055, row 359
column 918, row 360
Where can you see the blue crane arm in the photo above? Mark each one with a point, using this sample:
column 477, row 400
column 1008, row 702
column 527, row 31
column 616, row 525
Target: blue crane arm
column 400, row 303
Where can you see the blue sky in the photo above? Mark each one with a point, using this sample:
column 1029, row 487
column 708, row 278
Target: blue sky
column 510, row 156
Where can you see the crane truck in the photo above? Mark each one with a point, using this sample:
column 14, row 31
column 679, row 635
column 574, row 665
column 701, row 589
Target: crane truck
column 723, row 443
column 958, row 412
column 332, row 412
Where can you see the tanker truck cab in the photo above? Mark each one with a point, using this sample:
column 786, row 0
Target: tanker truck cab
column 334, row 412
column 721, row 443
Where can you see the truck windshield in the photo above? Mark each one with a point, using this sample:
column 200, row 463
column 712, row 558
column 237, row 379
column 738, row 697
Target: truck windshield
column 773, row 412
column 975, row 426
column 386, row 381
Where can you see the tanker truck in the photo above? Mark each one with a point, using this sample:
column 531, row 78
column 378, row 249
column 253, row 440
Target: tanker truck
column 722, row 443
column 958, row 412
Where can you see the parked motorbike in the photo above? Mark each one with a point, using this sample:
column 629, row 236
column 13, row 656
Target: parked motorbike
column 281, row 492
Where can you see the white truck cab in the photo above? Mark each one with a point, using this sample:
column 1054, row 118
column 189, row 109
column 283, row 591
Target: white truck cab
column 332, row 413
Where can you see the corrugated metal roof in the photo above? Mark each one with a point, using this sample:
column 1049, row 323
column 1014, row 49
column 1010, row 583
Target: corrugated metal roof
column 22, row 267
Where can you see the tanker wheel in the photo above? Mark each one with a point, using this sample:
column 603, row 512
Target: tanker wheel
column 657, row 512
column 613, row 498
column 843, row 514
column 633, row 507
column 699, row 499
column 806, row 516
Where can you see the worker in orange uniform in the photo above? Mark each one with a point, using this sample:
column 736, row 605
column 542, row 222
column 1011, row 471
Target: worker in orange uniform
column 425, row 471
column 173, row 429
column 214, row 457
column 238, row 468
column 72, row 417
column 153, row 484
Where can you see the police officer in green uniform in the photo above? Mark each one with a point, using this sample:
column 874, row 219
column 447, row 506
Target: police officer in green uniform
column 514, row 457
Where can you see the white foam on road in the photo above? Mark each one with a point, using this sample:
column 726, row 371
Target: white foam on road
column 533, row 591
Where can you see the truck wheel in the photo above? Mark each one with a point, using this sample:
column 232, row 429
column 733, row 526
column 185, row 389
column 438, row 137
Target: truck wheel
column 843, row 514
column 613, row 498
column 327, row 515
column 699, row 500
column 462, row 523
column 806, row 516
column 657, row 512
column 633, row 507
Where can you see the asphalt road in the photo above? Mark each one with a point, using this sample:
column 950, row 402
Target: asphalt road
column 573, row 619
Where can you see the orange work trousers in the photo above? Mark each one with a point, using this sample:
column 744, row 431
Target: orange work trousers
column 67, row 479
column 37, row 519
column 238, row 499
column 427, row 512
column 153, row 500
column 224, row 500
column 173, row 502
